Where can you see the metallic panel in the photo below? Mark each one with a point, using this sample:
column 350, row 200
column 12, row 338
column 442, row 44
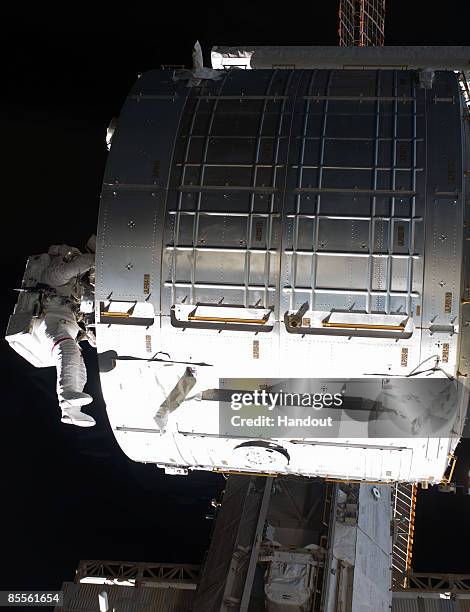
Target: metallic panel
column 400, row 604
column 126, row 599
column 339, row 247
column 320, row 190
column 341, row 58
column 438, row 605
column 134, row 190
column 321, row 172
column 372, row 579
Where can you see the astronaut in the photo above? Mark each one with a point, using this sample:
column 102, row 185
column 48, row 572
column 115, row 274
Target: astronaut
column 59, row 328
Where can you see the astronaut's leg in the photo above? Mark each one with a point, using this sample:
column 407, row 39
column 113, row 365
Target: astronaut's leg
column 71, row 372
column 61, row 329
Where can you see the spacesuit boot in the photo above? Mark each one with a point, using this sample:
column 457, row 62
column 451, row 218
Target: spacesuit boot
column 69, row 399
column 74, row 416
column 71, row 402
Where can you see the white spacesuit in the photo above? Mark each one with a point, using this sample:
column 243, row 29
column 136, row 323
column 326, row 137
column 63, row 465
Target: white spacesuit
column 60, row 329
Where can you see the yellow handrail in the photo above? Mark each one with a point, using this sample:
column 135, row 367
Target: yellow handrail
column 399, row 327
column 262, row 321
column 107, row 313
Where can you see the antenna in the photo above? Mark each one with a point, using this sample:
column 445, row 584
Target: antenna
column 361, row 23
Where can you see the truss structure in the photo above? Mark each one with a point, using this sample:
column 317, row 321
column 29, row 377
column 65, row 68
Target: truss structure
column 404, row 505
column 436, row 583
column 138, row 574
column 361, row 23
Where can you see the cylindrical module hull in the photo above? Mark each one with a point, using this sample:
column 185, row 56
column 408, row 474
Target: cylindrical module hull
column 280, row 223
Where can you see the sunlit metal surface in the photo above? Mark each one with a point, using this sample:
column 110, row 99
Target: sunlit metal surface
column 332, row 199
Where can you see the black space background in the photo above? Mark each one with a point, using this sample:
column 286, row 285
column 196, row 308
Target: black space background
column 69, row 494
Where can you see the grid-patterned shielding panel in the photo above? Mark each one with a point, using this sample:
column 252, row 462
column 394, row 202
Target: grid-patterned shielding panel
column 318, row 174
column 353, row 237
column 229, row 174
column 311, row 191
